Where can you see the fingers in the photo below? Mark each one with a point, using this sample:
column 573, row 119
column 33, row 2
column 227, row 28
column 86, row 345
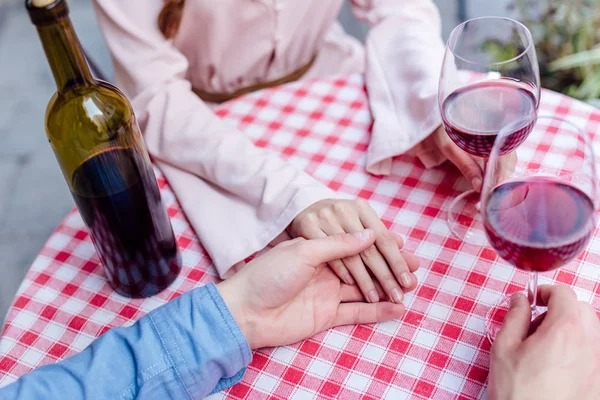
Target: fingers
column 466, row 164
column 341, row 271
column 352, row 293
column 383, row 260
column 589, row 317
column 411, row 260
column 365, row 313
column 413, row 264
column 399, row 240
column 331, row 227
column 313, row 231
column 388, row 246
column 378, row 266
column 319, row 251
column 560, row 300
column 516, row 324
column 354, row 263
column 562, row 304
column 372, row 257
column 361, row 275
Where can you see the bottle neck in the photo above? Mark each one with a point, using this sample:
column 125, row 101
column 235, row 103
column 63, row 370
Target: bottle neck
column 65, row 55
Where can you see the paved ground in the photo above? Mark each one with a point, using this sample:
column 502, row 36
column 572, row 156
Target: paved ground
column 33, row 195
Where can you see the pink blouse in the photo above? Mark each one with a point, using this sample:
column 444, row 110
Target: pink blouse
column 239, row 197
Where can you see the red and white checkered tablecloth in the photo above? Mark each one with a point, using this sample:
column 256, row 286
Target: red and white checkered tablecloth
column 437, row 350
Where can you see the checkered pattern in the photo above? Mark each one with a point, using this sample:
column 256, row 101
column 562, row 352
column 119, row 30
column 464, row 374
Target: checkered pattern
column 437, row 350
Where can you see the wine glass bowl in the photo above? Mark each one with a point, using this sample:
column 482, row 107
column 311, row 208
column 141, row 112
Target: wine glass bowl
column 530, row 222
column 489, row 79
column 541, row 215
column 474, row 114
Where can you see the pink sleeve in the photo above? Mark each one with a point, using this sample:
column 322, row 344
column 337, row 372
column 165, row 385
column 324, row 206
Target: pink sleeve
column 237, row 197
column 404, row 58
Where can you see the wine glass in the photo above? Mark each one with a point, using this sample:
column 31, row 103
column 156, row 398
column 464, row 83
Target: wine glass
column 490, row 78
column 542, row 214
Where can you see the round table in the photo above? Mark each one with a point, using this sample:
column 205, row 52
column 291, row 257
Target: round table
column 437, row 350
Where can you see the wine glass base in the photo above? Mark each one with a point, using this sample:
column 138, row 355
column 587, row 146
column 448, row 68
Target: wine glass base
column 495, row 317
column 464, row 218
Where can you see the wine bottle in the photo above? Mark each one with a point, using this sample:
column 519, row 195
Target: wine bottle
column 94, row 134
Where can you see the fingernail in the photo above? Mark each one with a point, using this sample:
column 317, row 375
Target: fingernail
column 364, row 235
column 397, row 296
column 405, row 279
column 401, row 237
column 476, row 183
column 348, row 279
column 373, row 296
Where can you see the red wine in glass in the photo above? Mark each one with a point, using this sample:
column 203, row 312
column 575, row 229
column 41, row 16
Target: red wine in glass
column 474, row 114
column 538, row 224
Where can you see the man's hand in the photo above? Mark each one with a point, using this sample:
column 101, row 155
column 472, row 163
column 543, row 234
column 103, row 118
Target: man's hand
column 288, row 294
column 556, row 357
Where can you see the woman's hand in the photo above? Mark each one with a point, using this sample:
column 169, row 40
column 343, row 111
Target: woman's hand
column 288, row 294
column 382, row 259
column 470, row 167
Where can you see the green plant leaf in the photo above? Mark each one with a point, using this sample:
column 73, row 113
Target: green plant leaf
column 583, row 58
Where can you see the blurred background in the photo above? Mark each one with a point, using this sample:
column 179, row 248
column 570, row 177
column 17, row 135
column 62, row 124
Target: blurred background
column 33, row 195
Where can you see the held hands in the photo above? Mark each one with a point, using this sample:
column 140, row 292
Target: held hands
column 288, row 294
column 555, row 357
column 383, row 263
column 382, row 259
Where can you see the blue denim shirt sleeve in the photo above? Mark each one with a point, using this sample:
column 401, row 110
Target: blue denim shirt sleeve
column 186, row 349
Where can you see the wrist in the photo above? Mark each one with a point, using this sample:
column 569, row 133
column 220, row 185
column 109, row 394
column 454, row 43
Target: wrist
column 234, row 300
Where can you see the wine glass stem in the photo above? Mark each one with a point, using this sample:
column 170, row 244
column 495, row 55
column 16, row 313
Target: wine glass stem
column 532, row 288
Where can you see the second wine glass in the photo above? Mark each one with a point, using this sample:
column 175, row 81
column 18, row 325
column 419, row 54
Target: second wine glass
column 541, row 215
column 490, row 78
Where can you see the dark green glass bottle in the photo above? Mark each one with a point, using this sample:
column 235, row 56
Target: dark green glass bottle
column 94, row 134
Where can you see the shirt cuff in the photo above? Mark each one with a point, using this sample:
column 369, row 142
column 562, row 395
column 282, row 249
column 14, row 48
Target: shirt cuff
column 204, row 344
column 388, row 142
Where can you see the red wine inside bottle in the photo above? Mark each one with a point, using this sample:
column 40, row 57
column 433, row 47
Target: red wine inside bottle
column 118, row 199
